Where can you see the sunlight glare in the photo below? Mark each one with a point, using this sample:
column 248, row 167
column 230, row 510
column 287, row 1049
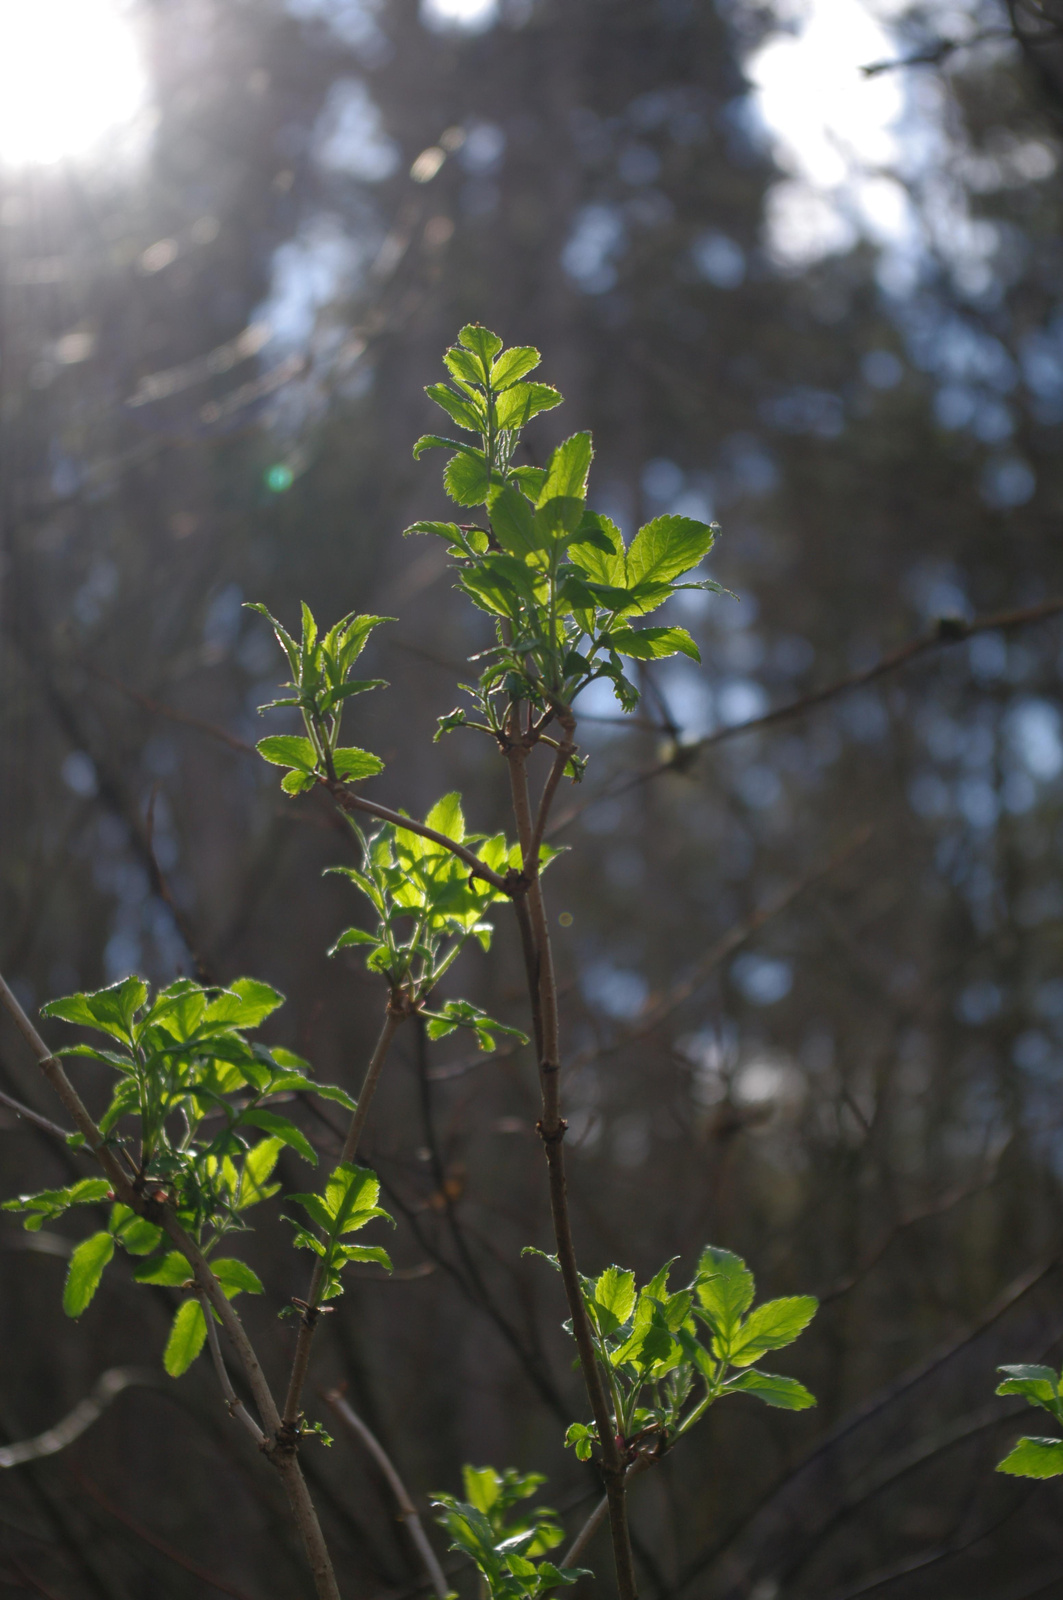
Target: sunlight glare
column 70, row 77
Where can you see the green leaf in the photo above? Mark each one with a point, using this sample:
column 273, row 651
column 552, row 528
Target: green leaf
column 443, row 530
column 650, row 644
column 1034, row 1458
column 566, row 475
column 171, row 1269
column 244, row 1004
column 466, row 479
column 446, row 816
column 135, row 1234
column 111, row 1010
column 481, row 341
column 724, row 1287
column 50, row 1203
column 516, row 406
column 258, row 1164
column 353, row 764
column 582, row 1439
column 785, row 1393
column 615, row 1294
column 236, row 1277
column 435, row 441
column 482, row 1487
column 666, row 548
column 353, row 936
column 514, row 523
column 512, row 365
column 281, row 1128
column 1038, row 1385
column 296, row 782
column 85, row 1270
column 463, row 411
column 187, row 1337
column 288, row 750
column 463, row 366
column 772, row 1326
column 530, row 479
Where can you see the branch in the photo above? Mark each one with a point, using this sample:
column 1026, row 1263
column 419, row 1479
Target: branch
column 542, row 990
column 407, row 1510
column 531, row 855
column 946, row 631
column 35, row 1117
column 106, row 1388
column 934, row 55
column 236, row 1406
column 597, row 1516
column 347, row 800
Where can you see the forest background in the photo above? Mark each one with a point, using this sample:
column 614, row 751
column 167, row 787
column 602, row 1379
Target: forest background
column 811, row 971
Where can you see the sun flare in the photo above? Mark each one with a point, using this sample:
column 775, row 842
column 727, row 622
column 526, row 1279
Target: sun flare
column 71, row 77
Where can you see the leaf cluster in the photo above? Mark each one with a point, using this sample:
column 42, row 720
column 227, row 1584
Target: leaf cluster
column 555, row 576
column 502, row 1536
column 193, row 1115
column 667, row 1356
column 320, row 687
column 428, row 904
column 1034, row 1457
column 348, row 1203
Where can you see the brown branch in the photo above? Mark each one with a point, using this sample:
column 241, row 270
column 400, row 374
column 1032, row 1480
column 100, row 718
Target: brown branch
column 348, row 800
column 407, row 1510
column 311, row 1311
column 35, row 1117
column 542, row 988
column 236, row 1406
column 530, row 856
column 171, row 713
column 107, row 1387
column 946, row 631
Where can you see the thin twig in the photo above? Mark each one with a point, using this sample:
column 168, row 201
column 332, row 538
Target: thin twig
column 348, row 800
column 35, row 1117
column 407, row 1510
column 934, row 55
column 92, row 1489
column 107, row 1387
column 598, row 1515
column 236, row 1406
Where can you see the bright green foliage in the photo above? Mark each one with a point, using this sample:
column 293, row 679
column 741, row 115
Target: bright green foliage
column 348, row 1203
column 491, row 1528
column 554, row 576
column 660, row 1373
column 321, row 685
column 193, row 1116
column 1034, row 1458
column 427, row 904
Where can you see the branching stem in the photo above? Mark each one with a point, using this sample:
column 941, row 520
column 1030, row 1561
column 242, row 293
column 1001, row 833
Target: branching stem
column 542, row 987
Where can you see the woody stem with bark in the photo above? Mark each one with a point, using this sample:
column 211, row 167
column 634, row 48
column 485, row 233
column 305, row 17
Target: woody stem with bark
column 311, row 1312
column 542, row 987
column 273, row 1445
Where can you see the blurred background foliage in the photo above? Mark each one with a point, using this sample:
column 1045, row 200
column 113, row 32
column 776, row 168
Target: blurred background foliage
column 813, row 998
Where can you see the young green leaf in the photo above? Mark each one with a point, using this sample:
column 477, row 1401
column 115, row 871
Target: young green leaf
column 85, row 1270
column 785, row 1393
column 236, row 1277
column 1038, row 1385
column 666, row 548
column 466, row 479
column 770, row 1327
column 1034, row 1458
column 281, row 1128
column 288, row 750
column 481, row 341
column 512, row 365
column 724, row 1287
column 651, row 644
column 353, row 764
column 187, row 1337
column 171, row 1269
column 566, row 475
column 614, row 1293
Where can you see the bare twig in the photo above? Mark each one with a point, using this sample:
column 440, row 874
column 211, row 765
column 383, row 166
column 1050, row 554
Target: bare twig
column 598, row 1515
column 236, row 1406
column 171, row 713
column 407, row 1510
column 35, row 1117
column 107, row 1387
column 92, row 1489
column 936, row 54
